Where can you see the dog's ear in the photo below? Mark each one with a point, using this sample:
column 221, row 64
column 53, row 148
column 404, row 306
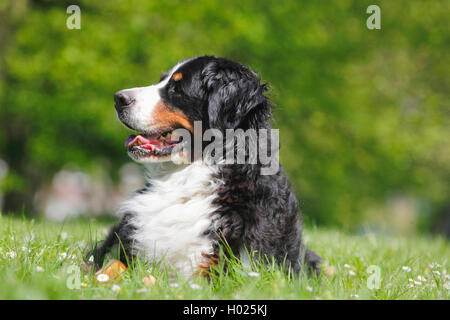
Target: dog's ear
column 235, row 96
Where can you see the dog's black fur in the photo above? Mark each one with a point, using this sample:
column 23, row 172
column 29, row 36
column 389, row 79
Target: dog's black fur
column 257, row 211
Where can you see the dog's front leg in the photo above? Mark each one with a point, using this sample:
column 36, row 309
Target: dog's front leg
column 118, row 237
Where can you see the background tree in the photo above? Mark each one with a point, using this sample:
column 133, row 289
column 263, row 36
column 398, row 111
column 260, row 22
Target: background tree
column 363, row 114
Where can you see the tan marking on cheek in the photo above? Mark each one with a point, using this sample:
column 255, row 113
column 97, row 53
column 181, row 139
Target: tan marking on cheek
column 177, row 76
column 165, row 117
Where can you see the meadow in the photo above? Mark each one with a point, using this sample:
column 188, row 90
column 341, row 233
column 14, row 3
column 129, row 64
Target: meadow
column 362, row 115
column 43, row 260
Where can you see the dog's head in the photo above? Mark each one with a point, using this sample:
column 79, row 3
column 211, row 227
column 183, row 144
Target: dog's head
column 220, row 93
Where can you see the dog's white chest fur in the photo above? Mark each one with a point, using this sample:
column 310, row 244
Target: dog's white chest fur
column 171, row 218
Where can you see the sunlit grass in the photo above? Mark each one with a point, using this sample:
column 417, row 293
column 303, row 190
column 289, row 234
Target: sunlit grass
column 42, row 260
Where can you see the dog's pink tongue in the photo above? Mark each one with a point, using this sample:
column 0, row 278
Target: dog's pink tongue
column 147, row 143
column 132, row 139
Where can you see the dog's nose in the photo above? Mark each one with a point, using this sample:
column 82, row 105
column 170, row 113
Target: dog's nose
column 123, row 99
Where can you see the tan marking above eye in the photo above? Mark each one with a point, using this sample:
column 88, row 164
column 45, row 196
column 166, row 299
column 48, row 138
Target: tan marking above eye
column 177, row 76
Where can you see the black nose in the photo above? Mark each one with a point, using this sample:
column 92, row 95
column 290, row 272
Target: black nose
column 123, row 99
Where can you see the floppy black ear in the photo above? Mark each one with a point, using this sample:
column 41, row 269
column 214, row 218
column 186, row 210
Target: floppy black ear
column 235, row 97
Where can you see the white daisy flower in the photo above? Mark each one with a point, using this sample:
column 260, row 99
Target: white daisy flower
column 418, row 283
column 406, row 268
column 347, row 266
column 195, row 286
column 436, row 272
column 84, row 284
column 308, row 288
column 351, row 273
column 354, row 296
column 91, row 259
column 253, row 274
column 115, row 288
column 102, row 277
column 39, row 269
column 64, row 235
column 411, row 285
column 434, row 265
column 11, row 254
column 62, row 256
column 421, row 278
column 447, row 285
column 174, row 285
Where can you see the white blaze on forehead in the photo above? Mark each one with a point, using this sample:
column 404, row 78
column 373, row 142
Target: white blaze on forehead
column 140, row 114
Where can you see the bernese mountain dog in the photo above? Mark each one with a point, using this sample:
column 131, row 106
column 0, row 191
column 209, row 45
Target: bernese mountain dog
column 189, row 209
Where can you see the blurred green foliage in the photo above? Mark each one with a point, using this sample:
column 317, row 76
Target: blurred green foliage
column 363, row 114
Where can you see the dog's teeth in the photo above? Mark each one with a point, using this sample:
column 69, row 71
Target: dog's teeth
column 175, row 136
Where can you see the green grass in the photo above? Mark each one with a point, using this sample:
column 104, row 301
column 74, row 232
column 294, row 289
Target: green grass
column 36, row 259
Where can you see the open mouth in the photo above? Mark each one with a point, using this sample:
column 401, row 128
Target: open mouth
column 156, row 145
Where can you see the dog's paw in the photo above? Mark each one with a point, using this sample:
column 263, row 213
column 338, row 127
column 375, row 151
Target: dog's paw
column 208, row 261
